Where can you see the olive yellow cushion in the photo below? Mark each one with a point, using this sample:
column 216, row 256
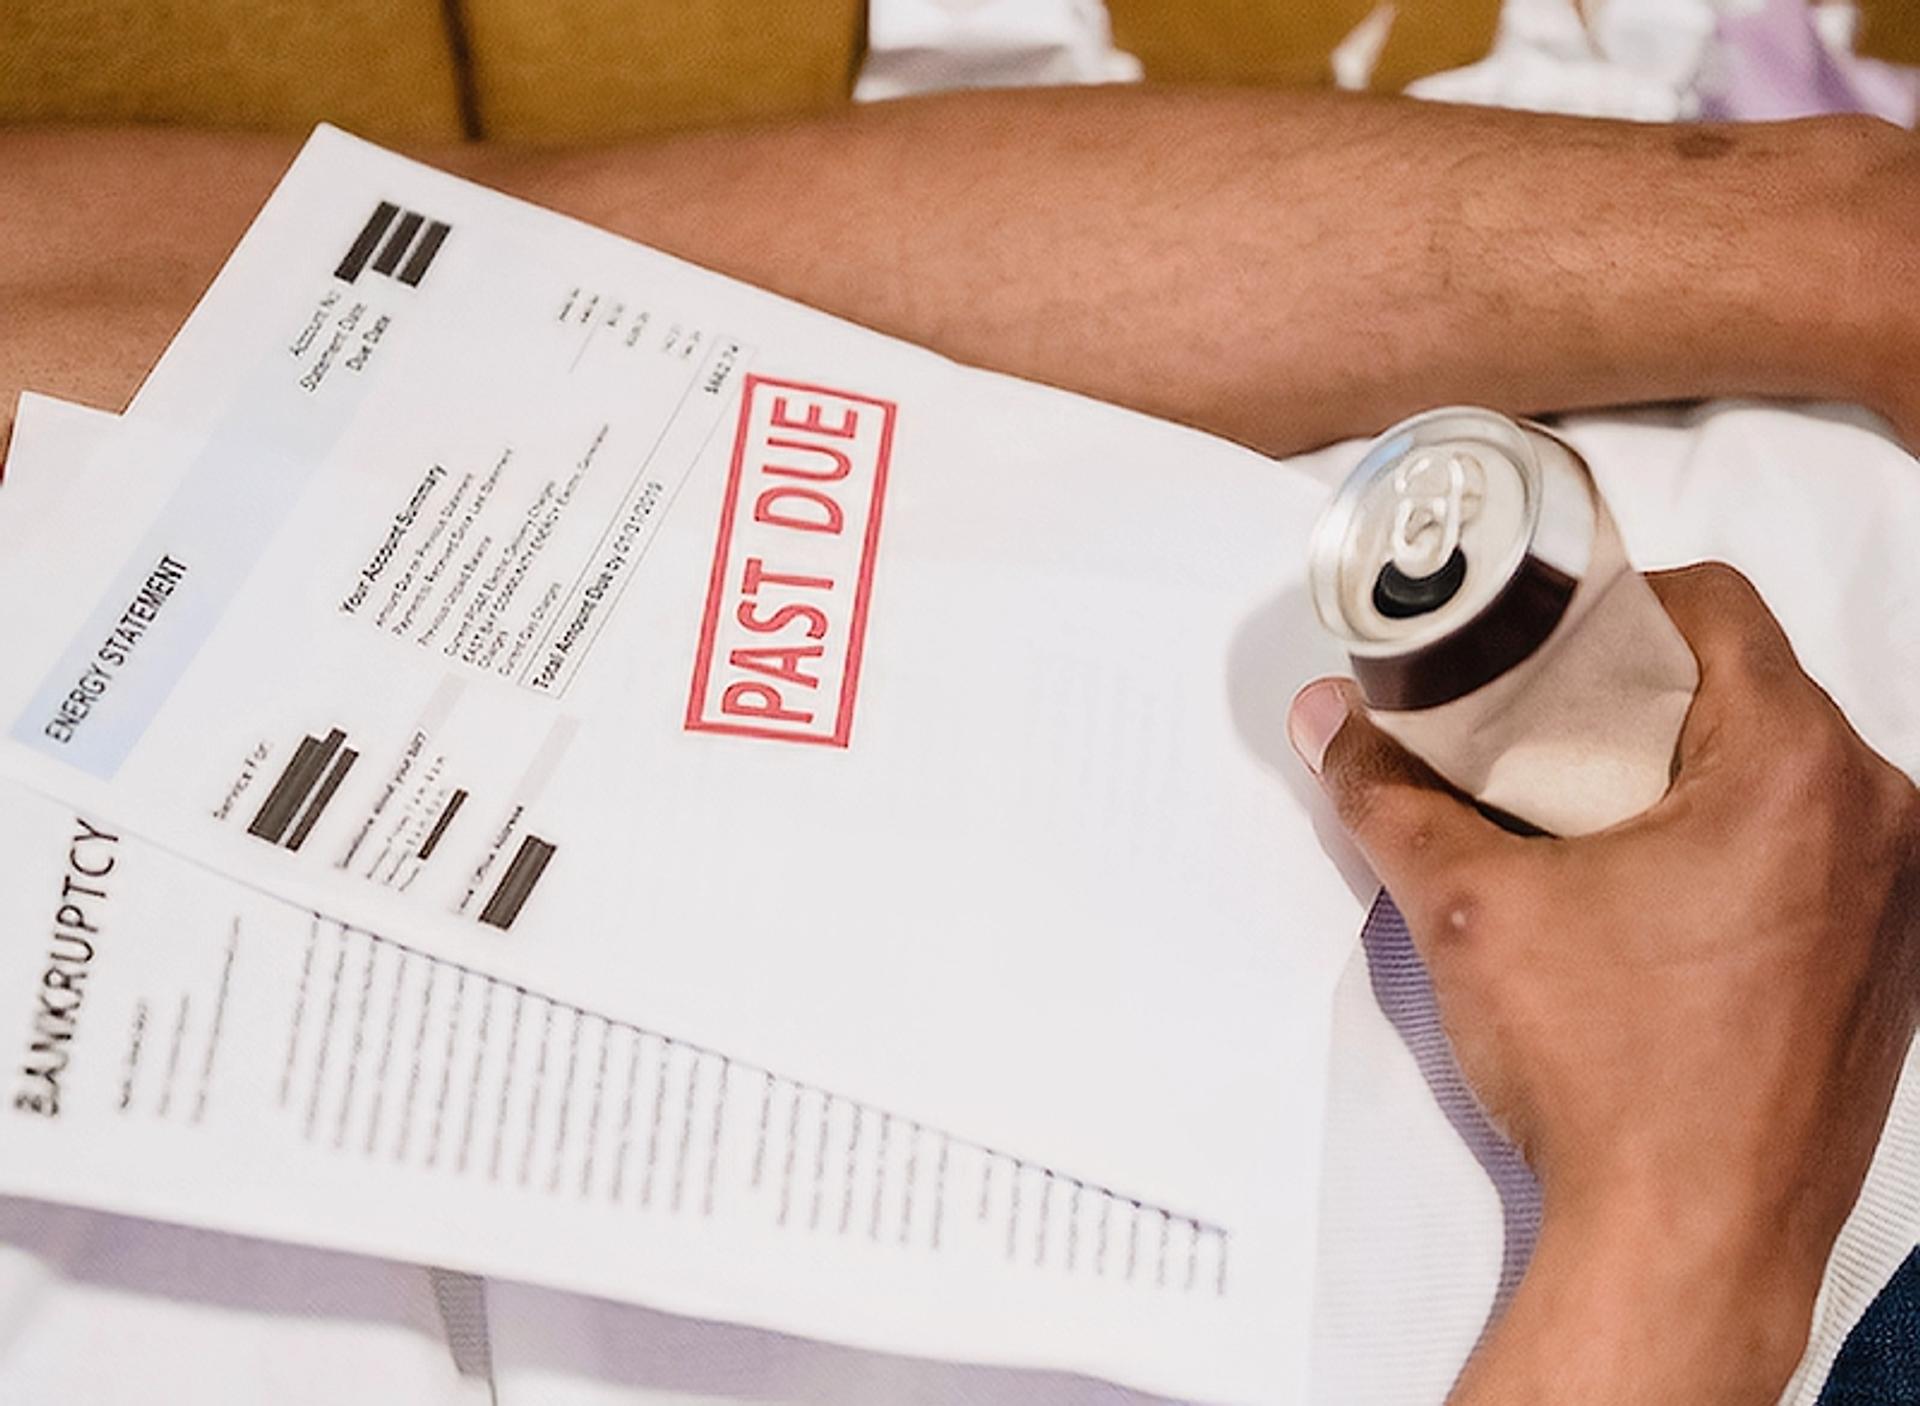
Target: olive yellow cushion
column 1292, row 41
column 377, row 66
column 423, row 70
column 1890, row 29
column 588, row 70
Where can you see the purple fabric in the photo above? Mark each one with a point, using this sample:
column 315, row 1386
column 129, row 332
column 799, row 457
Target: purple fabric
column 1401, row 986
column 1773, row 64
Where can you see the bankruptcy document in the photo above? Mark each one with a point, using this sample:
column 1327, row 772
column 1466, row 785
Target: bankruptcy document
column 189, row 1049
column 784, row 770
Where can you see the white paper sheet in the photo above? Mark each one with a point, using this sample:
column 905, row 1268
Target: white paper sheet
column 52, row 439
column 1412, row 1229
column 103, row 1308
column 1110, row 660
column 198, row 1051
column 228, row 1319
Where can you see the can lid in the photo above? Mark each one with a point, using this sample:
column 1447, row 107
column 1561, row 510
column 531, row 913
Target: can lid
column 1426, row 531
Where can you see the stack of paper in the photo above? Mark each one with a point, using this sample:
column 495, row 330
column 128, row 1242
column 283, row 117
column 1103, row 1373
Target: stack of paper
column 527, row 756
column 532, row 757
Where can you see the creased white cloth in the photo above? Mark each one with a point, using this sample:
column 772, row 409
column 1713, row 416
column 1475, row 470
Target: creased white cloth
column 924, row 46
column 1632, row 59
column 1664, row 61
column 100, row 1310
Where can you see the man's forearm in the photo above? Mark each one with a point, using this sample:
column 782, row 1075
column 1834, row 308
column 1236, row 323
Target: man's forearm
column 1281, row 268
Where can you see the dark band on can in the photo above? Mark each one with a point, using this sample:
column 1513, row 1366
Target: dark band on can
column 1514, row 624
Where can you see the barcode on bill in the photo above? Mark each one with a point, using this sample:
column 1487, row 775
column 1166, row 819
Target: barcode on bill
column 396, row 243
column 305, row 786
column 529, row 863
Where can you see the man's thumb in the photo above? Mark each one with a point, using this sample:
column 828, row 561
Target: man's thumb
column 1409, row 823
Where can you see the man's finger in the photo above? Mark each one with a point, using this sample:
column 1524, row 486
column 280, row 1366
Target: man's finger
column 1759, row 726
column 1751, row 685
column 1426, row 842
column 1732, row 633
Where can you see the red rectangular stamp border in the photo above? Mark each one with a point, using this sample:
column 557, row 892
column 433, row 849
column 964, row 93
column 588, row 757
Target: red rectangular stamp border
column 723, row 544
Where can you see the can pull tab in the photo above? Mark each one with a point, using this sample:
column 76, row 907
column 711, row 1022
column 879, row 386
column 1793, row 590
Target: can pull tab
column 1440, row 491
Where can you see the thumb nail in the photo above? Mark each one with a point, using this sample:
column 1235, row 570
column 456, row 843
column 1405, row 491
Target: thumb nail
column 1319, row 710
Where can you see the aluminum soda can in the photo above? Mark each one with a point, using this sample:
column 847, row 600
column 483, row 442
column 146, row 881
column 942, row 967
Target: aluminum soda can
column 1471, row 570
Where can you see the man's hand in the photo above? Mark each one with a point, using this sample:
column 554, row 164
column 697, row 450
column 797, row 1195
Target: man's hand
column 1691, row 1024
